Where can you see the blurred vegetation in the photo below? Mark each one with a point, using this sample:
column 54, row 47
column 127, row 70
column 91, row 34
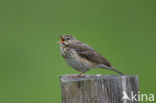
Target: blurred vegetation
column 30, row 62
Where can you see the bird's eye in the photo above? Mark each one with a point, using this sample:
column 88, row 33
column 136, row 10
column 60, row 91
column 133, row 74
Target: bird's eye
column 68, row 38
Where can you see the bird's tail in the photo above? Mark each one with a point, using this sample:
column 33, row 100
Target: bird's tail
column 111, row 68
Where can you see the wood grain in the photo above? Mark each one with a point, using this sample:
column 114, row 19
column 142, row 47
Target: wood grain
column 98, row 89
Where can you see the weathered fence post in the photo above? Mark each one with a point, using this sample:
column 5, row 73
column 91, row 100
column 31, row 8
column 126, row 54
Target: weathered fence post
column 99, row 89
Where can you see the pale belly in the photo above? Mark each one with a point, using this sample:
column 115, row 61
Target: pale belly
column 78, row 63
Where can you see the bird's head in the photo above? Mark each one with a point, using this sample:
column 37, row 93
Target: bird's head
column 66, row 40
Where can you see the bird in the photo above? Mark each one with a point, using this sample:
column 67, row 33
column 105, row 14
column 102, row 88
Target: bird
column 81, row 56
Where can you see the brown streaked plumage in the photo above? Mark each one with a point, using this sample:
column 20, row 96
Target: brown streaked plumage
column 82, row 57
column 88, row 53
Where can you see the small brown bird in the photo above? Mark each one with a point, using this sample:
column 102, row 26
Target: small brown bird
column 82, row 57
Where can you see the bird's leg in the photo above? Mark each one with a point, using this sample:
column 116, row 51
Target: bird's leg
column 78, row 76
column 81, row 75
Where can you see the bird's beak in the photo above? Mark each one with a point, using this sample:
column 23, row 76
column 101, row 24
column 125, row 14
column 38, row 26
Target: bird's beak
column 62, row 39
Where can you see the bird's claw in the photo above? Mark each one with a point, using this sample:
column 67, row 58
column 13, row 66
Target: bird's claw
column 76, row 76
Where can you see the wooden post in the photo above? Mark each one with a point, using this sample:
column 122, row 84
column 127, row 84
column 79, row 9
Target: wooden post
column 99, row 89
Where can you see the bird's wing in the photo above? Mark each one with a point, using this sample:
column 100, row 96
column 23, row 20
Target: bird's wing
column 88, row 53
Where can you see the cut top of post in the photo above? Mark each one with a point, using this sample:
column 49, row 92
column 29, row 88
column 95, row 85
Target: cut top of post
column 68, row 77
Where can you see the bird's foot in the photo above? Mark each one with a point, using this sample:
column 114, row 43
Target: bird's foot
column 77, row 76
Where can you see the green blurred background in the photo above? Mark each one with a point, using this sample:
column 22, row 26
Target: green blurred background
column 30, row 62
